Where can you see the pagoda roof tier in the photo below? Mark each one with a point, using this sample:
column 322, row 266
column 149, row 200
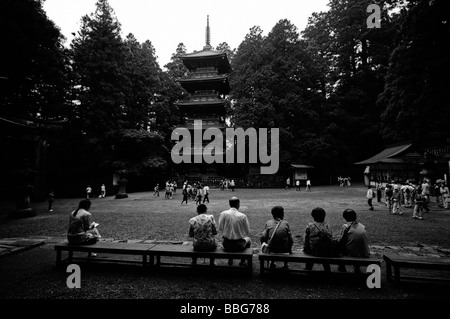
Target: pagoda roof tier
column 217, row 83
column 207, row 58
column 211, row 102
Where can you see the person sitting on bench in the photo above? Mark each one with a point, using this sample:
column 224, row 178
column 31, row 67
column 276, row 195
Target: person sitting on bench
column 82, row 230
column 203, row 229
column 235, row 229
column 354, row 241
column 319, row 239
column 281, row 241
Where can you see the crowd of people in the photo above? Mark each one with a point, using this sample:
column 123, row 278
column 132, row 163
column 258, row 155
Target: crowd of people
column 235, row 228
column 398, row 196
column 344, row 181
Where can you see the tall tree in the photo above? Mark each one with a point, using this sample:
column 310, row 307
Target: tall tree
column 99, row 56
column 175, row 68
column 33, row 74
column 415, row 96
column 354, row 59
column 144, row 83
column 225, row 47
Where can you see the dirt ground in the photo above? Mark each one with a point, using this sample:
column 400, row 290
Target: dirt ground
column 31, row 274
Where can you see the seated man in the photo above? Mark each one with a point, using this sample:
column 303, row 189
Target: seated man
column 203, row 229
column 235, row 229
column 354, row 240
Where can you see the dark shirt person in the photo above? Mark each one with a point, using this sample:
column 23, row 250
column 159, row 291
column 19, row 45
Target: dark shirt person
column 354, row 240
column 82, row 229
column 281, row 241
column 318, row 238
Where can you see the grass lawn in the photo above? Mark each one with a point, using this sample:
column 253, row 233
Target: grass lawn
column 142, row 216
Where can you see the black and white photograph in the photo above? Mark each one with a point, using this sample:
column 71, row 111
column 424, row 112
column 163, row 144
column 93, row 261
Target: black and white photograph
column 225, row 159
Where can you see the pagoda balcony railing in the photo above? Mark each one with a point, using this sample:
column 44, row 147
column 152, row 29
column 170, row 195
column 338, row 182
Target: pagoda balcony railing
column 201, row 98
column 205, row 124
column 199, row 75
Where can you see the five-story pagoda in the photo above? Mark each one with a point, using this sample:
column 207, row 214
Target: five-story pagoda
column 207, row 86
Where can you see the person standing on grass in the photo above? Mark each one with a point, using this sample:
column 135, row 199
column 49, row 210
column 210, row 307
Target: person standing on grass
column 206, row 193
column 445, row 195
column 235, row 229
column 378, row 190
column 232, row 185
column 185, row 195
column 354, row 241
column 297, row 185
column 88, row 191
column 288, row 183
column 51, row 197
column 203, row 229
column 308, row 185
column 396, row 201
column 199, row 196
column 103, row 191
column 369, row 196
column 418, row 207
column 156, row 193
column 388, row 192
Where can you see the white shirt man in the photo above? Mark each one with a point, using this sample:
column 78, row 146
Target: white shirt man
column 235, row 229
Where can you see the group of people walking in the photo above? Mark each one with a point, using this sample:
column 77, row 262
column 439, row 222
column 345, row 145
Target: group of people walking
column 408, row 195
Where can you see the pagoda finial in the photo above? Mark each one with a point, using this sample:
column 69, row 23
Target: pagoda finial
column 208, row 35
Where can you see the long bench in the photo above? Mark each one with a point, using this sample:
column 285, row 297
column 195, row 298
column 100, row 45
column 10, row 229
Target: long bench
column 414, row 262
column 141, row 250
column 148, row 253
column 159, row 251
column 301, row 257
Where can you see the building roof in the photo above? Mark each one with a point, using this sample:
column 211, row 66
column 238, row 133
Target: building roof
column 387, row 155
column 207, row 58
column 202, row 54
column 217, row 83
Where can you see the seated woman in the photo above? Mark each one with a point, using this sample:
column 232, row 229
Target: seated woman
column 319, row 238
column 277, row 234
column 82, row 230
column 354, row 240
column 203, row 229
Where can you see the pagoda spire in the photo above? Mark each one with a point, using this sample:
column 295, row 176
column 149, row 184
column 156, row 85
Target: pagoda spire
column 208, row 35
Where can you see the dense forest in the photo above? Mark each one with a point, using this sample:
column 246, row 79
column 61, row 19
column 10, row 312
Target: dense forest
column 337, row 90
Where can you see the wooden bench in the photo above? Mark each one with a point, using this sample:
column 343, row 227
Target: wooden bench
column 103, row 248
column 414, row 262
column 187, row 251
column 301, row 257
column 148, row 253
